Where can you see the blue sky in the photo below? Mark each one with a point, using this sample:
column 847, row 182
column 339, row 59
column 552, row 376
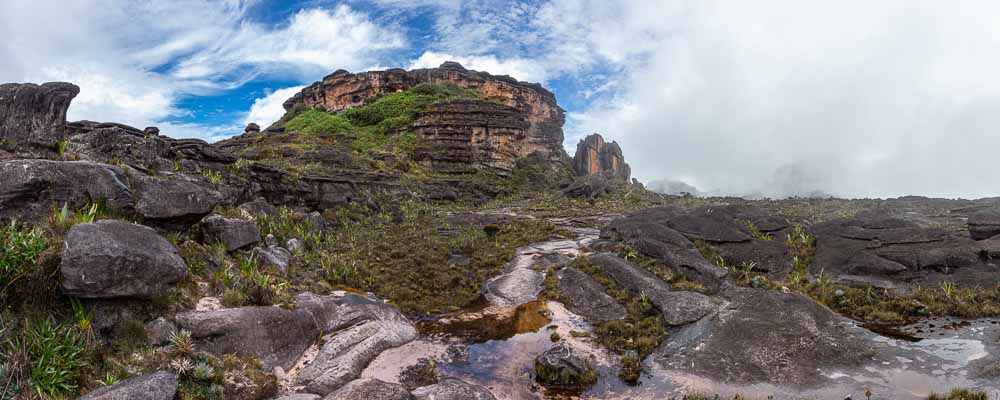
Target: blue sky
column 760, row 97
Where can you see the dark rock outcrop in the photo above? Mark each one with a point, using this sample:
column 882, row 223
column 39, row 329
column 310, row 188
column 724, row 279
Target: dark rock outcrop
column 156, row 386
column 370, row 389
column 678, row 308
column 32, row 189
column 175, row 201
column 452, row 389
column 595, row 157
column 584, row 296
column 33, row 117
column 984, row 224
column 233, row 233
column 765, row 336
column 109, row 258
column 562, row 369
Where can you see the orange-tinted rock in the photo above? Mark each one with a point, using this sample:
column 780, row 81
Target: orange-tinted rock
column 541, row 115
column 596, row 157
column 459, row 134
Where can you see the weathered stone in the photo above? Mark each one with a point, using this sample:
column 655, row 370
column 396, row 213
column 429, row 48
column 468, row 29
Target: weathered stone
column 252, row 128
column 233, row 233
column 258, row 206
column 584, row 296
column 121, row 146
column 33, row 117
column 112, row 258
column 300, row 396
column 273, row 257
column 595, row 157
column 678, row 308
column 159, row 331
column 370, row 389
column 984, row 224
column 469, row 132
column 561, row 368
column 262, row 332
column 175, row 201
column 452, row 389
column 156, row 386
column 31, row 189
column 765, row 336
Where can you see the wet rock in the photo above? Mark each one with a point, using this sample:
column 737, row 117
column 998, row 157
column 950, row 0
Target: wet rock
column 233, row 233
column 347, row 352
column 584, row 296
column 156, row 386
column 984, row 224
column 561, row 368
column 768, row 256
column 159, row 331
column 452, row 389
column 112, row 258
column 595, row 157
column 175, row 201
column 370, row 389
column 259, row 206
column 678, row 308
column 30, row 189
column 261, row 332
column 273, row 257
column 34, row 116
column 765, row 336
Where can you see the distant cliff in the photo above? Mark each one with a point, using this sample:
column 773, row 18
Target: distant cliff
column 596, row 157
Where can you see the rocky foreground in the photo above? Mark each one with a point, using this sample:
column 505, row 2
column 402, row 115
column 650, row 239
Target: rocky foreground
column 422, row 235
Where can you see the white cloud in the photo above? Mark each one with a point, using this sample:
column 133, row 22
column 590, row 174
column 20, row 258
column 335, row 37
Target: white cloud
column 268, row 109
column 519, row 68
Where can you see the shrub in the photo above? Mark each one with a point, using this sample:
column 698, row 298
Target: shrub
column 318, row 122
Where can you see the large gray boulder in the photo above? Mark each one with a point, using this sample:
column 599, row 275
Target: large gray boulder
column 766, row 336
column 452, row 389
column 678, row 308
column 359, row 330
column 233, row 233
column 34, row 116
column 370, row 389
column 175, row 201
column 276, row 336
column 156, row 386
column 111, row 258
column 584, row 296
column 561, row 368
column 32, row 189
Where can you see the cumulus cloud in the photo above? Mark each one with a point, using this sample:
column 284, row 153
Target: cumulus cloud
column 268, row 109
column 782, row 97
column 134, row 60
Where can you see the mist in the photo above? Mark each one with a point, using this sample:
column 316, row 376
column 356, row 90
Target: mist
column 790, row 98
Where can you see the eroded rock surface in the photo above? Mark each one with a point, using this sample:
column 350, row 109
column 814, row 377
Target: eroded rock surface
column 33, row 117
column 32, row 189
column 110, row 258
column 595, row 157
column 765, row 336
column 370, row 389
column 233, row 233
column 452, row 389
column 561, row 368
column 584, row 296
column 156, row 386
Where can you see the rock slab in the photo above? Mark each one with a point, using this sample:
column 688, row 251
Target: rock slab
column 156, row 386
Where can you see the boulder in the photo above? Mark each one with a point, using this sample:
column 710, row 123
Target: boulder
column 32, row 189
column 110, row 258
column 452, row 389
column 595, row 157
column 584, row 296
column 351, row 347
column 159, row 331
column 252, row 128
column 261, row 332
column 33, row 117
column 258, row 206
column 156, row 386
column 766, row 336
column 370, row 389
column 234, row 233
column 175, row 201
column 984, row 224
column 273, row 257
column 561, row 368
column 678, row 308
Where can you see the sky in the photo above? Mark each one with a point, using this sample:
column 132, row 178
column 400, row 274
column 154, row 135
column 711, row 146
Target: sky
column 757, row 97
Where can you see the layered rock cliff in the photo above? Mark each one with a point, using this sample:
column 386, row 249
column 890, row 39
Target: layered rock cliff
column 510, row 120
column 33, row 117
column 596, row 157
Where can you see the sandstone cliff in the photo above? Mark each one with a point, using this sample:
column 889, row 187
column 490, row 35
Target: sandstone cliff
column 596, row 157
column 511, row 119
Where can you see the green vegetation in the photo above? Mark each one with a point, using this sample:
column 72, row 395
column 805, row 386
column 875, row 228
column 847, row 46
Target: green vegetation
column 318, row 122
column 960, row 394
column 42, row 357
column 634, row 337
column 20, row 247
column 250, row 285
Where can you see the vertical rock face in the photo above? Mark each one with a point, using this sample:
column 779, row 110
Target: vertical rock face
column 595, row 157
column 471, row 133
column 33, row 116
column 543, row 119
